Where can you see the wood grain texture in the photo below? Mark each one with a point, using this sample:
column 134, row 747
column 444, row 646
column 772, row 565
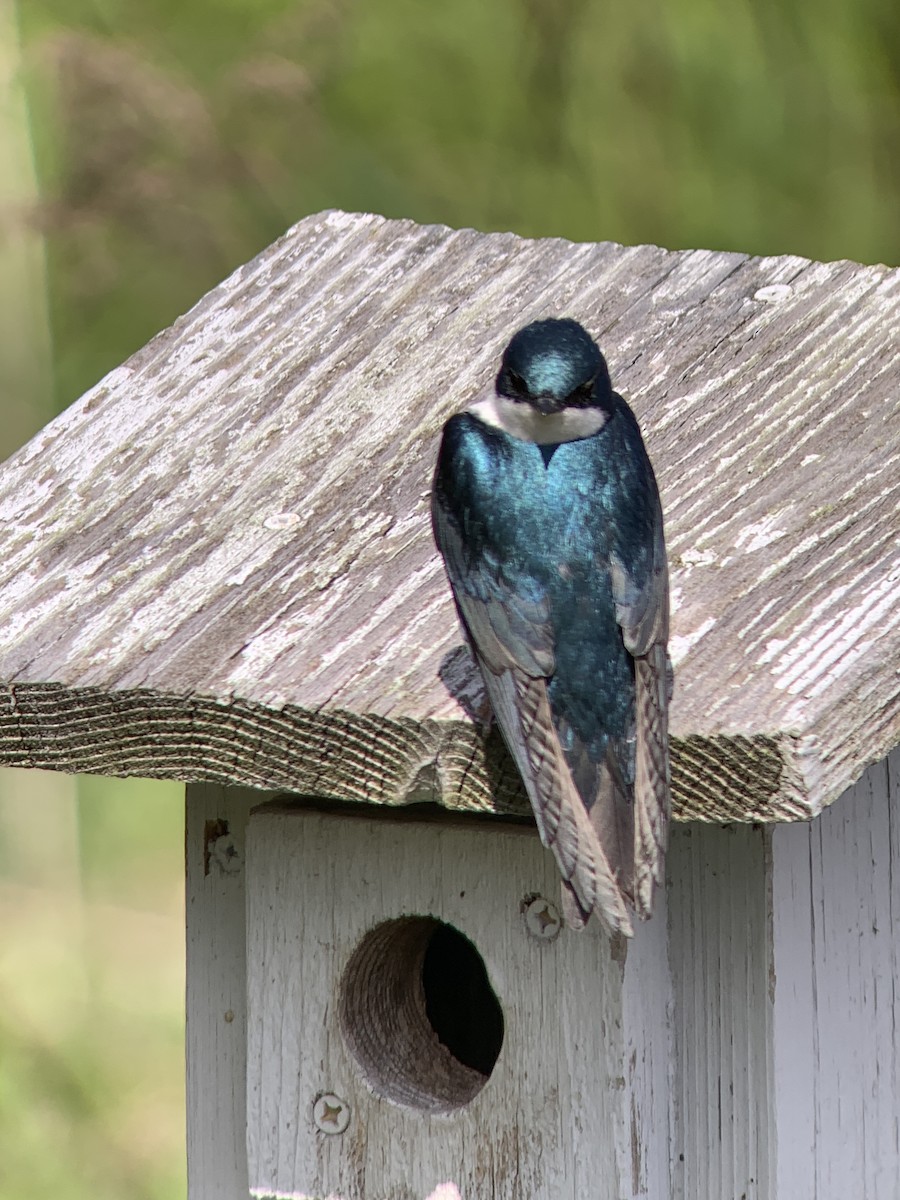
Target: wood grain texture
column 648, row 1029
column 836, row 909
column 720, row 954
column 218, row 564
column 577, row 1102
column 216, row 999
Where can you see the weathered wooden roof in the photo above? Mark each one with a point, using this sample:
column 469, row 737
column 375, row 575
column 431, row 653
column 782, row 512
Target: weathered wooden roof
column 218, row 563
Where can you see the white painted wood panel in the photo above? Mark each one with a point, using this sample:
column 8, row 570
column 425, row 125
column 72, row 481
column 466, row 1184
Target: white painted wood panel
column 836, row 922
column 575, row 1107
column 216, row 1033
column 647, row 1020
column 795, row 1037
column 719, row 952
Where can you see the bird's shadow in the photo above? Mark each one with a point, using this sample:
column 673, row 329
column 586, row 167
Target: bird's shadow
column 461, row 677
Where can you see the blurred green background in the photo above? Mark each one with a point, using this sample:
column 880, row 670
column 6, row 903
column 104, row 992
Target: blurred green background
column 147, row 147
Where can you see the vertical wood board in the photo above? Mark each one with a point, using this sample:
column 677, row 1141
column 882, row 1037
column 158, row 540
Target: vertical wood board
column 719, row 954
column 216, row 1033
column 836, row 905
column 647, row 1018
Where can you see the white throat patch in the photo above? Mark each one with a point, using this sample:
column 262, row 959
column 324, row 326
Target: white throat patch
column 521, row 421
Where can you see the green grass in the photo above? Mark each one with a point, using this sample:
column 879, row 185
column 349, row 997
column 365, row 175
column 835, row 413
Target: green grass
column 91, row 988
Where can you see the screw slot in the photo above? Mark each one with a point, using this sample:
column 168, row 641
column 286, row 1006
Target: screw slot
column 331, row 1114
column 542, row 919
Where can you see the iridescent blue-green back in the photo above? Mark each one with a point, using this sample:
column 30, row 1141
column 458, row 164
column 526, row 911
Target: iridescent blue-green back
column 539, row 525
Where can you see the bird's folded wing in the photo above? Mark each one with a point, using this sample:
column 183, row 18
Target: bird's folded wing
column 651, row 781
column 506, row 616
column 641, row 593
column 522, row 708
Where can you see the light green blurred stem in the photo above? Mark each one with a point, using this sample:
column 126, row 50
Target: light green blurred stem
column 25, row 342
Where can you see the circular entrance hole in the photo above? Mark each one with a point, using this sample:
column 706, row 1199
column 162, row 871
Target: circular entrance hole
column 419, row 1015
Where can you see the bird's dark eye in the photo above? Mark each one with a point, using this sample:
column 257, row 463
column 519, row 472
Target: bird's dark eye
column 583, row 393
column 517, row 383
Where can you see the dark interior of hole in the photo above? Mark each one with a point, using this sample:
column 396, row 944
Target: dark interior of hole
column 459, row 1001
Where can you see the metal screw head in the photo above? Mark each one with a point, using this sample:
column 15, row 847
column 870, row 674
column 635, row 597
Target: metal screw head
column 542, row 919
column 330, row 1113
column 224, row 856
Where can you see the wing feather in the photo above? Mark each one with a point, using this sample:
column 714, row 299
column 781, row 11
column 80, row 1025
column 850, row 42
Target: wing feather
column 651, row 782
column 642, row 610
column 510, row 628
column 523, row 712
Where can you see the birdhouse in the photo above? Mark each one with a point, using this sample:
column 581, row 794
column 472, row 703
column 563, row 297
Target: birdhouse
column 219, row 569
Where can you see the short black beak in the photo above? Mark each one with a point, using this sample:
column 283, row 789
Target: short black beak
column 546, row 405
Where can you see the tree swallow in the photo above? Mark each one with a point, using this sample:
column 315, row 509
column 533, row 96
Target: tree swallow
column 547, row 514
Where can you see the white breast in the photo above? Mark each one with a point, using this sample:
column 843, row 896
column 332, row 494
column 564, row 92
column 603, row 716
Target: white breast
column 522, row 421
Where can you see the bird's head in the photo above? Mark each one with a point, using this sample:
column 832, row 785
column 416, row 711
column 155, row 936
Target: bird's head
column 554, row 366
